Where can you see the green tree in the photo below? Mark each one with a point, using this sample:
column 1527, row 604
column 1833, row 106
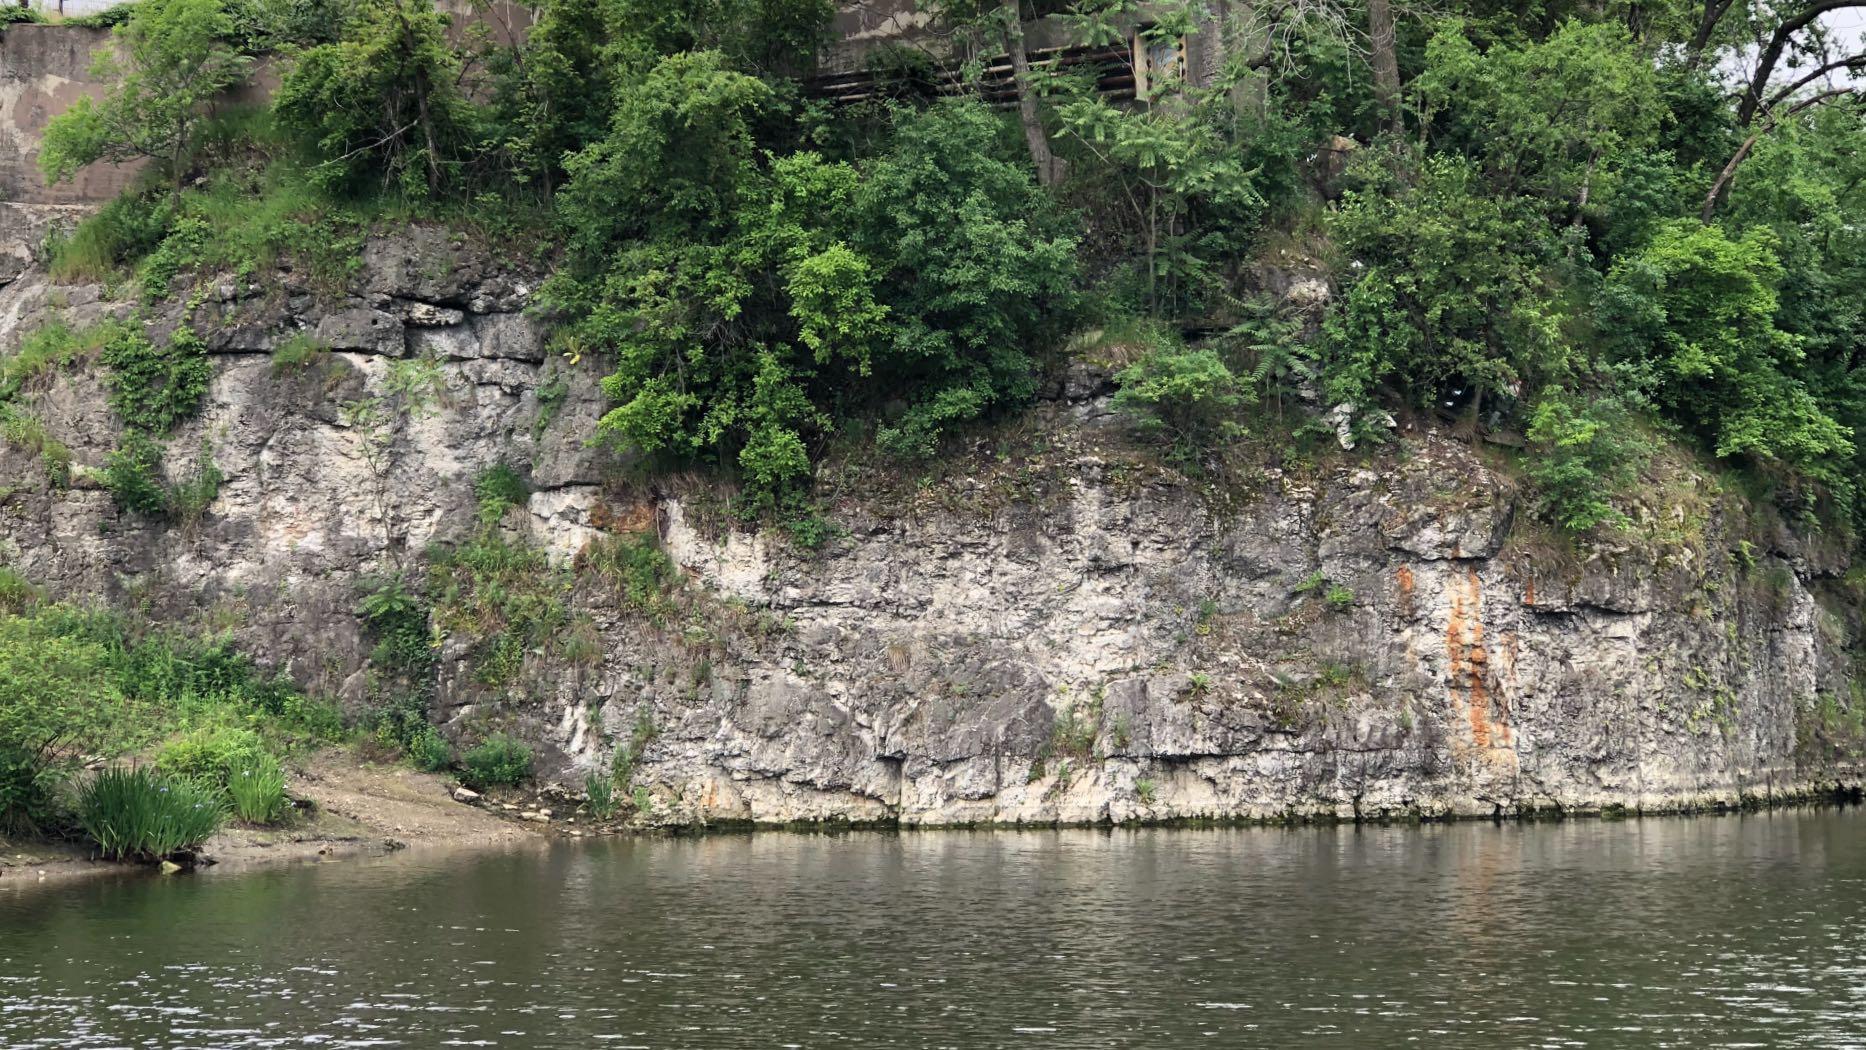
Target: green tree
column 1173, row 174
column 1555, row 119
column 980, row 270
column 169, row 64
column 383, row 100
column 1449, row 296
column 1693, row 317
column 555, row 93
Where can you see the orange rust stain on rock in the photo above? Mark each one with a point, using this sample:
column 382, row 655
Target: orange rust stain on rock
column 1404, row 576
column 1467, row 663
column 1529, row 591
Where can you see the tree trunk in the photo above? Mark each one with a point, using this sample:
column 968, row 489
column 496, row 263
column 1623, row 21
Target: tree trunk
column 1713, row 13
column 426, row 119
column 1049, row 168
column 1729, row 170
column 1385, row 61
column 427, row 132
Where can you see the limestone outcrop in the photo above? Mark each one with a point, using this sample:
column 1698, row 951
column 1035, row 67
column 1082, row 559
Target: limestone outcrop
column 1047, row 626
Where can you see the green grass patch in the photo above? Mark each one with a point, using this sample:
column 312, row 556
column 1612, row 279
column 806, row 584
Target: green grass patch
column 645, row 575
column 497, row 589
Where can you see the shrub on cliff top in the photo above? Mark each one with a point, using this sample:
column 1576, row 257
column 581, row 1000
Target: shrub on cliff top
column 1186, row 396
column 749, row 298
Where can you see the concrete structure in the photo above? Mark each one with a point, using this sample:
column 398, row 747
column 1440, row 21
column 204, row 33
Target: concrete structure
column 44, row 69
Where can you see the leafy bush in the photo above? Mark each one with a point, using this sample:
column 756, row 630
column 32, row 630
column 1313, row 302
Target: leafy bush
column 626, row 757
column 1188, row 396
column 55, row 695
column 397, row 619
column 499, row 489
column 140, row 814
column 154, row 388
column 180, row 248
column 1582, row 455
column 211, row 757
column 748, row 297
column 74, row 681
column 257, row 786
column 133, row 475
column 28, row 791
column 979, row 270
column 429, row 750
column 497, row 761
column 1450, row 300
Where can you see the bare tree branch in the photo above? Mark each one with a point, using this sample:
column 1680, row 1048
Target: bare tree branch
column 1771, row 55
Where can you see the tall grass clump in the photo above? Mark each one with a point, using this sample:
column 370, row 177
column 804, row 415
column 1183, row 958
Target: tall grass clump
column 140, row 814
column 602, row 791
column 257, row 786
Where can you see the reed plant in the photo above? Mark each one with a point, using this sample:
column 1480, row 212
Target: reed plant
column 602, row 792
column 257, row 786
column 137, row 813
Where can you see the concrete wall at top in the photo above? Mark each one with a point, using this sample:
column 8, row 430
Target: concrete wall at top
column 44, row 69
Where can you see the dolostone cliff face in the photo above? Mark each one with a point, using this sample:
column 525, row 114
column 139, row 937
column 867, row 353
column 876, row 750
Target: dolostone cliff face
column 1048, row 626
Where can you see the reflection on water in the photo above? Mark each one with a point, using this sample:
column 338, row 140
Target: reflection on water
column 1737, row 931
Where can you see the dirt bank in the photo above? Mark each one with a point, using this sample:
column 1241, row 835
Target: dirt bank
column 351, row 808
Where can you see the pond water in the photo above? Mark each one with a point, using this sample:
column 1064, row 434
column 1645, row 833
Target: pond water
column 1709, row 932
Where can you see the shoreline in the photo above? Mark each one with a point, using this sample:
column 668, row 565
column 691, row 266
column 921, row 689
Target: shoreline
column 364, row 810
column 357, row 809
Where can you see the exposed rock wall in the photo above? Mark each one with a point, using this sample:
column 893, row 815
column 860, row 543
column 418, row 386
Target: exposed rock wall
column 1048, row 626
